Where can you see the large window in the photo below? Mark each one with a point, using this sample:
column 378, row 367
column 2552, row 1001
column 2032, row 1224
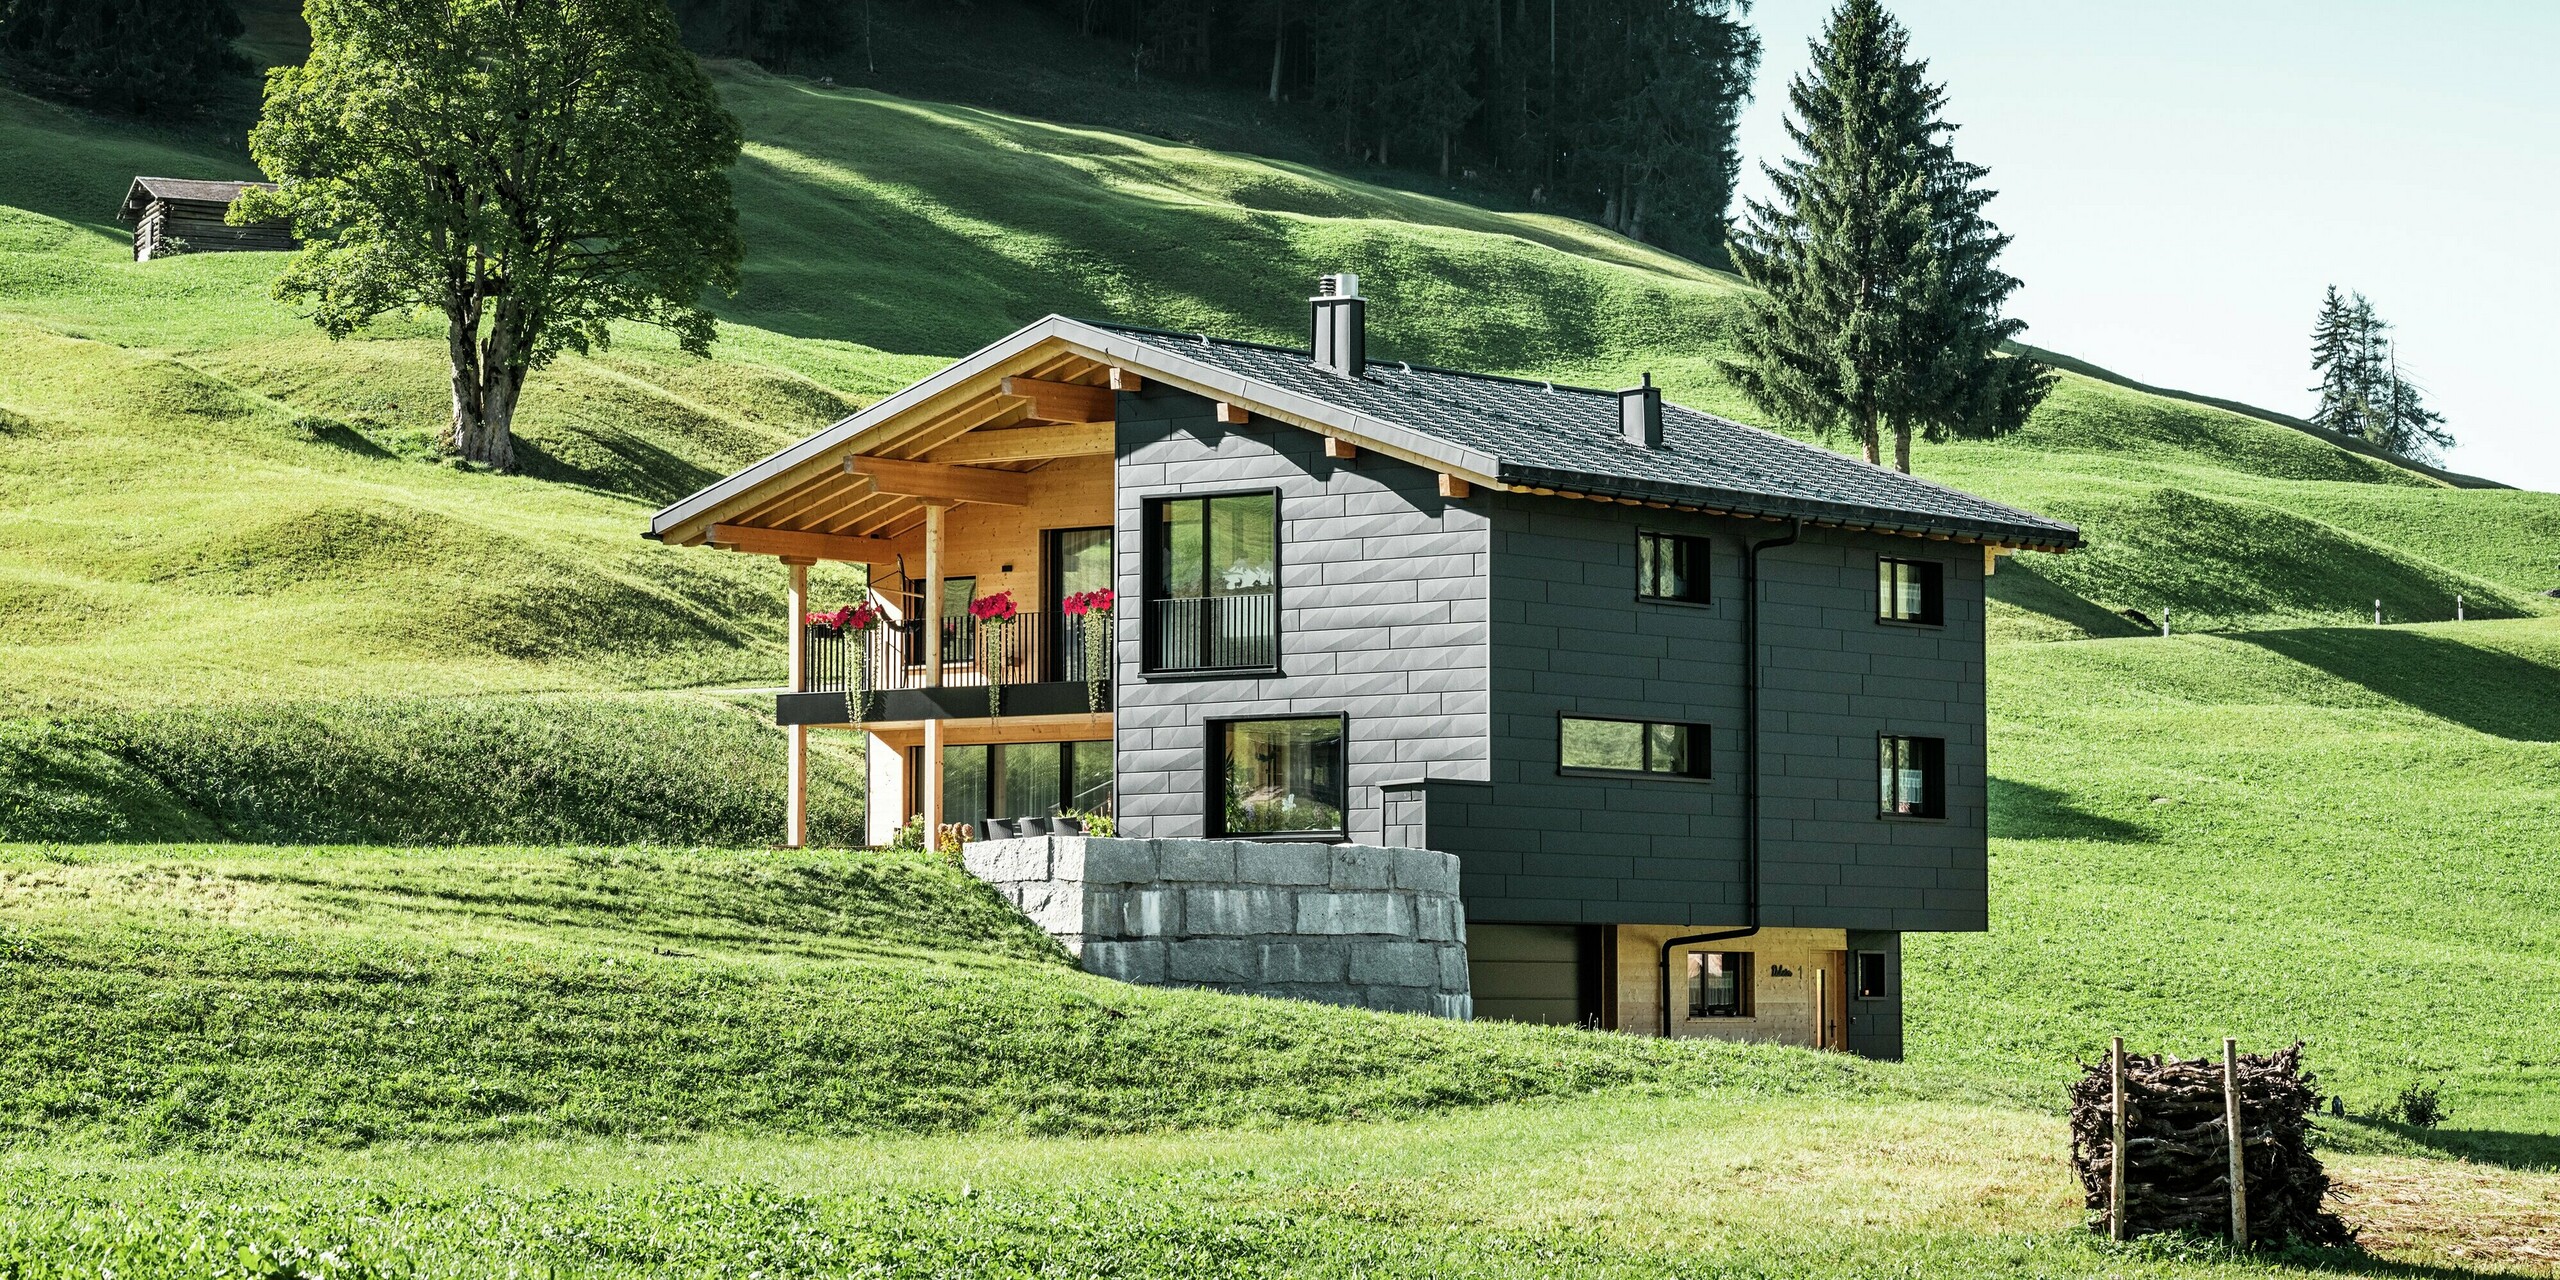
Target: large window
column 1671, row 566
column 1911, row 776
column 1016, row 780
column 1719, row 984
column 1632, row 746
column 1213, row 577
column 1911, row 591
column 1277, row 777
column 1079, row 561
column 959, row 634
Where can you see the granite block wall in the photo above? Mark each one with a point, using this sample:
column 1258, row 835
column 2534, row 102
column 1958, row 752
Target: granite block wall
column 1361, row 925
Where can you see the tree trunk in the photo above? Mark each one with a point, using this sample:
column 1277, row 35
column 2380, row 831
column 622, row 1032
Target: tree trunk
column 1902, row 447
column 1444, row 153
column 1867, row 435
column 1279, row 44
column 462, row 353
column 1635, row 215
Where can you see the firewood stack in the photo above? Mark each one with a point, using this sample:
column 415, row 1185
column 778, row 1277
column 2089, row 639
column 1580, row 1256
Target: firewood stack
column 2178, row 1152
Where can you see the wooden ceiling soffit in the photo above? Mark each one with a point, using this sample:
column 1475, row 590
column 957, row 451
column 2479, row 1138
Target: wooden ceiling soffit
column 1027, row 444
column 814, row 546
column 1064, row 401
column 942, row 481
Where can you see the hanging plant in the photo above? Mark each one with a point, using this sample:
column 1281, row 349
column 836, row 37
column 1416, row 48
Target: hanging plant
column 1095, row 608
column 995, row 616
column 852, row 621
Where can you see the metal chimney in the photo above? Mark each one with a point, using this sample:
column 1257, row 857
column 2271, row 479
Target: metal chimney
column 1640, row 415
column 1340, row 342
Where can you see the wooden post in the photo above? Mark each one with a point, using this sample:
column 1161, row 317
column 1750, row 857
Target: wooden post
column 931, row 784
column 934, row 513
column 2116, row 1153
column 2457, row 606
column 795, row 803
column 2232, row 1124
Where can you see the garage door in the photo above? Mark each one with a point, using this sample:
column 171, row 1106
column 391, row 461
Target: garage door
column 1526, row 972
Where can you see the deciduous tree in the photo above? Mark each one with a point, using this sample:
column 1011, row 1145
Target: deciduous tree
column 534, row 170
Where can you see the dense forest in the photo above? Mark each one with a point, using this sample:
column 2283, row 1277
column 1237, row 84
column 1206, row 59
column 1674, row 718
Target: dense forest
column 1621, row 111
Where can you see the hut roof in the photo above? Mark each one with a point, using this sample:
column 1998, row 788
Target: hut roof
column 145, row 190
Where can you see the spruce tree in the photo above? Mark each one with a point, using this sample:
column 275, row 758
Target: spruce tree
column 130, row 57
column 2337, row 361
column 1880, row 291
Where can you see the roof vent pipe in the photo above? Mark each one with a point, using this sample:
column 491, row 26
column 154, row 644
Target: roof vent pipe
column 1340, row 342
column 1640, row 415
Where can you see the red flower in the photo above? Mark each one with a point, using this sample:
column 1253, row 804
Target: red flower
column 1100, row 601
column 1073, row 606
column 997, row 607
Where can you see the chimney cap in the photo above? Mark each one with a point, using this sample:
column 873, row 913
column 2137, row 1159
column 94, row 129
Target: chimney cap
column 1340, row 284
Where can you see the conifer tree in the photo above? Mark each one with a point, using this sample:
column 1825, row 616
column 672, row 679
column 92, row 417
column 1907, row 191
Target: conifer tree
column 1879, row 311
column 2337, row 361
column 2363, row 393
column 131, row 57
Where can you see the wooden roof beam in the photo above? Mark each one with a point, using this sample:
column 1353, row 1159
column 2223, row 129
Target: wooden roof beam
column 1064, row 401
column 794, row 545
column 943, row 481
column 1026, row 444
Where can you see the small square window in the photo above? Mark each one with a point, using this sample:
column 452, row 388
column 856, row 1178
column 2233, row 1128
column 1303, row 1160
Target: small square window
column 1911, row 777
column 1911, row 591
column 1277, row 777
column 1872, row 974
column 1671, row 566
column 1632, row 746
column 1719, row 984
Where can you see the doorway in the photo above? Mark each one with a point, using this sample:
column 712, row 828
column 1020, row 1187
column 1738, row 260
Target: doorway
column 1074, row 561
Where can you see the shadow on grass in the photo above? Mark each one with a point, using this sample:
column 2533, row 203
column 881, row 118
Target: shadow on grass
column 2025, row 811
column 2495, row 693
column 2020, row 587
column 2523, row 1152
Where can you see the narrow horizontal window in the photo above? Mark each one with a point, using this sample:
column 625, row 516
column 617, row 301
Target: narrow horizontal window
column 1911, row 776
column 1911, row 591
column 1671, row 566
column 1633, row 746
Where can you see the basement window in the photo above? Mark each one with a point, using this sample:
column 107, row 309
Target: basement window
column 1672, row 567
column 1719, row 984
column 1649, row 747
column 1911, row 777
column 1872, row 976
column 1912, row 591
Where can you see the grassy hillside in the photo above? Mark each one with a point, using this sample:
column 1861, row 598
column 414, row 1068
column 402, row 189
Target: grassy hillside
column 594, row 1063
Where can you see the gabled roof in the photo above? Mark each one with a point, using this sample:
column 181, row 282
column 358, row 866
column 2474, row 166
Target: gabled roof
column 1520, row 435
column 145, row 190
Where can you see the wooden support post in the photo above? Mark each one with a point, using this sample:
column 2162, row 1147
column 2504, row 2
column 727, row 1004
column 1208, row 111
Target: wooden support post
column 931, row 785
column 935, row 514
column 1452, row 486
column 795, row 804
column 2237, row 1130
column 2116, row 1152
column 1232, row 415
column 1339, row 449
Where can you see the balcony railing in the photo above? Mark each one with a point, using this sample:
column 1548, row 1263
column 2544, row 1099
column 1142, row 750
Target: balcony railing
column 1031, row 649
column 1215, row 633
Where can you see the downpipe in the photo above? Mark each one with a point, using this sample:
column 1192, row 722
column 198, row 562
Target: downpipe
column 1750, row 767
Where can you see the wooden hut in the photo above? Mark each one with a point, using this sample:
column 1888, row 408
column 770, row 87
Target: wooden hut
column 184, row 215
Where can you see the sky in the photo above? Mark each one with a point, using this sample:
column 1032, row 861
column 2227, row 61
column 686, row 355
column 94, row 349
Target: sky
column 2183, row 179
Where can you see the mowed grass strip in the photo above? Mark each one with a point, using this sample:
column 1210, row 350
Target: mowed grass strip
column 1613, row 1186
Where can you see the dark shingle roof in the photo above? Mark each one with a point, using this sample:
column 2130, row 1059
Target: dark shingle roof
column 1553, row 436
column 146, row 189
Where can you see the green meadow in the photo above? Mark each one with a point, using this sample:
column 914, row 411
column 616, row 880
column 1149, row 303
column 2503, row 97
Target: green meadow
column 390, row 885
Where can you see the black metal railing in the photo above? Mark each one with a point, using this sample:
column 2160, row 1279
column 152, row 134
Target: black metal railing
column 1030, row 648
column 1215, row 633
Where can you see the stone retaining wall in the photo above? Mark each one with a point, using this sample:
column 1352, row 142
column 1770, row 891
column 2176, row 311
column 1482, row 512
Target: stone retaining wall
column 1341, row 924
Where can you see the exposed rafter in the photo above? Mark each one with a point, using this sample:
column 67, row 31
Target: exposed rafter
column 1064, row 401
column 1027, row 444
column 943, row 481
column 794, row 545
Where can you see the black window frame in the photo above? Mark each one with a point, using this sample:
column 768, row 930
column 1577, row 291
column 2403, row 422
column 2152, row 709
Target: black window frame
column 1213, row 792
column 987, row 797
column 1151, row 567
column 1933, row 592
column 1701, row 750
column 1860, row 988
column 1694, row 547
column 1744, row 961
column 1931, row 758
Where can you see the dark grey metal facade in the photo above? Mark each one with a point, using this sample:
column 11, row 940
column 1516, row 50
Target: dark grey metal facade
column 1383, row 597
column 1453, row 634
